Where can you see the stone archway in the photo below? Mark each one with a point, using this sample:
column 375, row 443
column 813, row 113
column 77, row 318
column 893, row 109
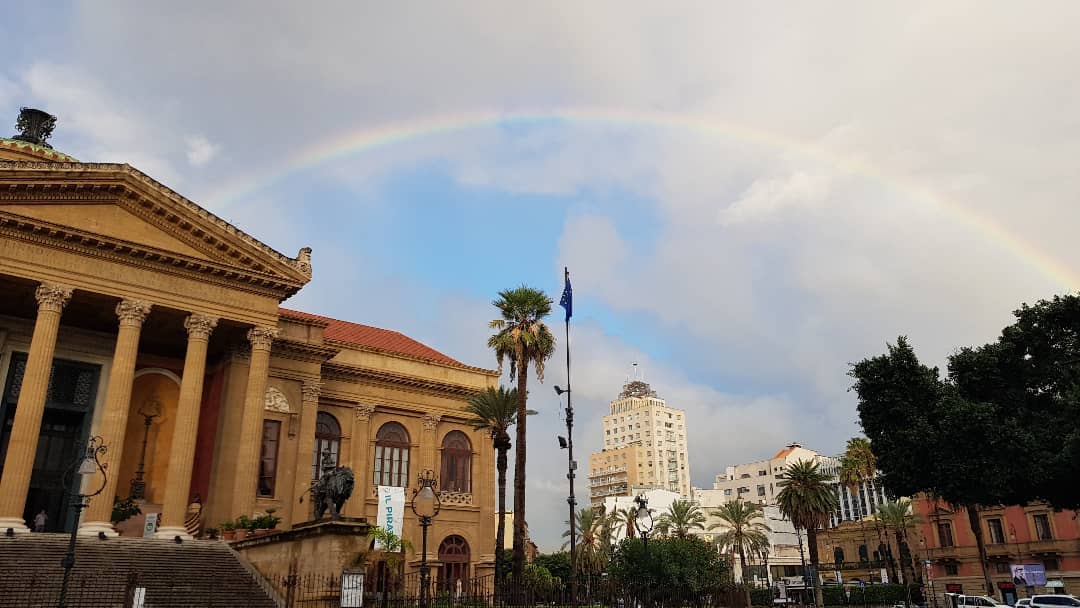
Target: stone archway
column 454, row 564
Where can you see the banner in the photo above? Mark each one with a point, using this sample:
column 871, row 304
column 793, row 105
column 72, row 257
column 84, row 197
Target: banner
column 150, row 526
column 1028, row 575
column 352, row 589
column 391, row 509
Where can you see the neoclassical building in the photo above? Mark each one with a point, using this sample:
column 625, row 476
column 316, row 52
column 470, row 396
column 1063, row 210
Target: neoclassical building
column 131, row 313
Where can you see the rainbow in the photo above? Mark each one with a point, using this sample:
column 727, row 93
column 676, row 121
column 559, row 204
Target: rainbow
column 365, row 140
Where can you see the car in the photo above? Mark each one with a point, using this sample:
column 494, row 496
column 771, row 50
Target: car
column 1024, row 603
column 956, row 600
column 1054, row 601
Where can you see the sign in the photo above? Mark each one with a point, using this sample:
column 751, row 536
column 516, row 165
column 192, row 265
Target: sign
column 782, row 588
column 138, row 600
column 884, row 576
column 954, row 588
column 150, row 527
column 391, row 510
column 1028, row 575
column 839, row 578
column 1006, row 586
column 352, row 589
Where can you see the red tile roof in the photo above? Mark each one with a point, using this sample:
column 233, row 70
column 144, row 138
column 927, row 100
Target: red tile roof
column 783, row 452
column 373, row 337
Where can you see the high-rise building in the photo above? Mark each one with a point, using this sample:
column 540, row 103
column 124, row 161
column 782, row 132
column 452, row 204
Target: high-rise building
column 644, row 447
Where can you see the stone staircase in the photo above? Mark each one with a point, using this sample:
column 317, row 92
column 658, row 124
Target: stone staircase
column 108, row 572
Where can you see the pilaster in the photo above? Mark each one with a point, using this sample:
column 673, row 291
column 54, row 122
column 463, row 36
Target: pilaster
column 22, row 446
column 305, row 447
column 359, row 460
column 247, row 462
column 428, row 447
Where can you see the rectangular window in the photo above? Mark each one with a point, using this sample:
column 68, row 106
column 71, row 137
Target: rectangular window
column 268, row 457
column 997, row 532
column 1051, row 563
column 761, row 490
column 1042, row 527
column 1001, row 567
column 944, row 530
column 952, row 570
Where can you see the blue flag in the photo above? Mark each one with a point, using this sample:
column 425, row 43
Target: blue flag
column 567, row 300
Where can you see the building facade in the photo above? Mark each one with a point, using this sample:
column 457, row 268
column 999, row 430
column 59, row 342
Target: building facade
column 647, row 441
column 134, row 315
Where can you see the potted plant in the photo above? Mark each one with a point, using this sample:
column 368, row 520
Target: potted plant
column 271, row 521
column 244, row 525
column 211, row 533
column 228, row 530
column 124, row 510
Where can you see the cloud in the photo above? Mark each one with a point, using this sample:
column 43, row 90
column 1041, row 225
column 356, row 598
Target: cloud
column 199, row 150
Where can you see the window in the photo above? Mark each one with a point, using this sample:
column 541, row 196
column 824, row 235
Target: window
column 944, row 530
column 727, row 492
column 761, row 490
column 1042, row 527
column 457, row 462
column 1050, row 563
column 268, row 457
column 1001, row 567
column 952, row 570
column 761, row 473
column 997, row 532
column 454, row 560
column 327, row 440
column 391, row 456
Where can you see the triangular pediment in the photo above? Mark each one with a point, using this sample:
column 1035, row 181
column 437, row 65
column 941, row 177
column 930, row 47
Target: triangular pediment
column 117, row 207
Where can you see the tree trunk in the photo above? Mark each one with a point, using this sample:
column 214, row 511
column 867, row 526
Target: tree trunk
column 811, row 541
column 976, row 529
column 519, row 475
column 502, row 445
column 746, row 588
column 905, row 560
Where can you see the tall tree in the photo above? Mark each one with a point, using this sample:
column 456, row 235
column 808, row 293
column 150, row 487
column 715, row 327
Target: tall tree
column 627, row 518
column 522, row 338
column 681, row 518
column 858, row 465
column 807, row 500
column 593, row 540
column 744, row 531
column 896, row 517
column 496, row 411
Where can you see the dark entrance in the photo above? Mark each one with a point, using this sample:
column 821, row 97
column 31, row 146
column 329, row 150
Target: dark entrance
column 454, row 557
column 72, row 387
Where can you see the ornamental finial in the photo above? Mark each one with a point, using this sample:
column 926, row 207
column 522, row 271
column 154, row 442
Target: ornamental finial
column 35, row 126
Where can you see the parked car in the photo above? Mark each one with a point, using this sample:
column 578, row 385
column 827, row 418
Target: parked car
column 956, row 600
column 1024, row 603
column 1054, row 601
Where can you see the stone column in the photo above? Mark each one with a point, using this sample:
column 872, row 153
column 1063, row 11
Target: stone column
column 22, row 446
column 247, row 458
column 132, row 313
column 428, row 446
column 305, row 447
column 360, row 461
column 182, row 449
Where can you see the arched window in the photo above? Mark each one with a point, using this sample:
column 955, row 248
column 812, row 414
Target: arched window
column 391, row 456
column 838, row 555
column 456, row 462
column 327, row 439
column 454, row 557
column 864, row 555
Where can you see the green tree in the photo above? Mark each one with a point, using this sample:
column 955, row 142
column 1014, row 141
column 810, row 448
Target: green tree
column 389, row 548
column 807, row 500
column 681, row 518
column 678, row 567
column 558, row 564
column 929, row 438
column 627, row 519
column 593, row 540
column 896, row 517
column 743, row 530
column 858, row 465
column 496, row 411
column 522, row 338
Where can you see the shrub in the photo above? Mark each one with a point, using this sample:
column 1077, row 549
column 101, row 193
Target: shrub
column 124, row 510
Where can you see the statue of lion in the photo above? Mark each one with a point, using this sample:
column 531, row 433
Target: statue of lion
column 332, row 490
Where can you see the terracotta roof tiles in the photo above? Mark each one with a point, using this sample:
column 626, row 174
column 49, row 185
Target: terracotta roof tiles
column 374, row 337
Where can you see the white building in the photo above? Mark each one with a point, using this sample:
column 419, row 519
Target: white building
column 650, row 439
column 660, row 502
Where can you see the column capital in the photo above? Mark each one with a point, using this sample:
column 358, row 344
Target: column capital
column 364, row 412
column 51, row 296
column 431, row 421
column 310, row 391
column 199, row 326
column 132, row 312
column 261, row 337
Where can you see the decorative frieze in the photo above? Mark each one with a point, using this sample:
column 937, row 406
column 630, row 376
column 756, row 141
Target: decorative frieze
column 52, row 297
column 364, row 412
column 261, row 337
column 199, row 326
column 132, row 312
column 311, row 391
column 431, row 421
column 448, row 498
column 276, row 401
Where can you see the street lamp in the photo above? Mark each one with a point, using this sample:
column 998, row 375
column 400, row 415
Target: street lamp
column 149, row 410
column 644, row 521
column 88, row 463
column 425, row 505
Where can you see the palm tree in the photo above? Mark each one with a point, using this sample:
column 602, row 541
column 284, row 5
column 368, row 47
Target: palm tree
column 807, row 500
column 858, row 465
column 496, row 411
column 896, row 516
column 628, row 519
column 744, row 530
column 681, row 518
column 592, row 549
column 391, row 550
column 522, row 337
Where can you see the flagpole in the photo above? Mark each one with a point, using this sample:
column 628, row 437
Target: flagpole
column 571, row 465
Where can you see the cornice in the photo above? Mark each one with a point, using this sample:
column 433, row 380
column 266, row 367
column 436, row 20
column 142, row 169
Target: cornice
column 302, row 351
column 154, row 202
column 366, row 375
column 302, row 320
column 400, row 355
column 130, row 253
column 31, row 149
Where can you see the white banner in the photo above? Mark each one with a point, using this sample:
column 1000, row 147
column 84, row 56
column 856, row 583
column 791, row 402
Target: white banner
column 391, row 509
column 150, row 526
column 352, row 589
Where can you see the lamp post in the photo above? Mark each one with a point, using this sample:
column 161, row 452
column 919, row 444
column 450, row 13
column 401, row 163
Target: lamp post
column 87, row 463
column 571, row 466
column 929, row 571
column 425, row 505
column 1019, row 558
column 644, row 524
column 149, row 410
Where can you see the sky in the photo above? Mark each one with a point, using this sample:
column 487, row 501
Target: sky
column 749, row 196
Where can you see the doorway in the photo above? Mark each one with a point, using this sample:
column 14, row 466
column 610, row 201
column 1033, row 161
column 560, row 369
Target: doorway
column 68, row 403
